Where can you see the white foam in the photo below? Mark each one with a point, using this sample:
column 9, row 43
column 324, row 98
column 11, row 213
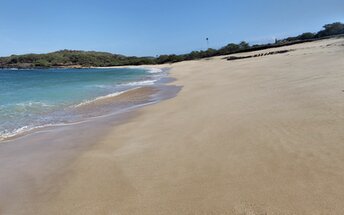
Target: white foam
column 33, row 104
column 139, row 83
column 6, row 134
column 99, row 98
column 102, row 86
column 149, row 69
column 154, row 70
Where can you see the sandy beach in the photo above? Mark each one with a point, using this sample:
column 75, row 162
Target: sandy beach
column 262, row 135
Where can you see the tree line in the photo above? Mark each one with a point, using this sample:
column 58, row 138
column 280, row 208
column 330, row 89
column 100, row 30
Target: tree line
column 71, row 58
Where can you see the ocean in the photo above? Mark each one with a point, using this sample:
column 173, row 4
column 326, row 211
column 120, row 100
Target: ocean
column 36, row 98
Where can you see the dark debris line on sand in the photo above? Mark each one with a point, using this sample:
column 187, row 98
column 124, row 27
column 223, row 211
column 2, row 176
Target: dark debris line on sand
column 256, row 55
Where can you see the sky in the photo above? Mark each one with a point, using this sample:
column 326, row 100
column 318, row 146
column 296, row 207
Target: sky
column 154, row 27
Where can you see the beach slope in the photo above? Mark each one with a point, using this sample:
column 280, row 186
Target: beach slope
column 262, row 135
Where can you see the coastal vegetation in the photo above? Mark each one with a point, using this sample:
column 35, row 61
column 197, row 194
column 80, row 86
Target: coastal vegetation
column 73, row 58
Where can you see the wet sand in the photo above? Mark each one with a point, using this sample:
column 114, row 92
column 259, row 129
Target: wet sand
column 261, row 135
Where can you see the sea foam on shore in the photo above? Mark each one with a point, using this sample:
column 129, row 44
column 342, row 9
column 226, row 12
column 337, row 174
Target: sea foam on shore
column 34, row 99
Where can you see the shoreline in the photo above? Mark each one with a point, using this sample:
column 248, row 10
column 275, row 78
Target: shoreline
column 152, row 66
column 23, row 133
column 112, row 100
column 251, row 136
column 47, row 153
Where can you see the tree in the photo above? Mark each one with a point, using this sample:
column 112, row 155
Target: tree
column 42, row 63
column 229, row 49
column 244, row 45
column 332, row 29
column 306, row 36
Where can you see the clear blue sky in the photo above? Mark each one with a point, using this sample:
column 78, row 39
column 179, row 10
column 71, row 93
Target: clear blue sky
column 151, row 27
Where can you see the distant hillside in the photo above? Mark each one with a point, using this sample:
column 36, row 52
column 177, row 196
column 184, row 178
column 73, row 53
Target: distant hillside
column 71, row 58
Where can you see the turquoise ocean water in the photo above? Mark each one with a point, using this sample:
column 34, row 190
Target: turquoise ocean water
column 41, row 97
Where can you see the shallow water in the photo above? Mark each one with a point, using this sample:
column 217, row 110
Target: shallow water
column 41, row 97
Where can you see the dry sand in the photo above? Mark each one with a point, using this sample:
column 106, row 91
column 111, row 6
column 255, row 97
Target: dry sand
column 262, row 135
